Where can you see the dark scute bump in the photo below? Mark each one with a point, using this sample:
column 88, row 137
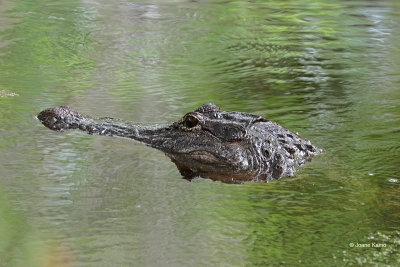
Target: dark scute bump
column 208, row 107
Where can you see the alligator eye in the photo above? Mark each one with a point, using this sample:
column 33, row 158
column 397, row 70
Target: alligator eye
column 191, row 122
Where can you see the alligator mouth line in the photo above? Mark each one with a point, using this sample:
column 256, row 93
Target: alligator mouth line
column 201, row 156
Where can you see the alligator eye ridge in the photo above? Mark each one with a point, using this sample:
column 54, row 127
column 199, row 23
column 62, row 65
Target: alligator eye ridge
column 191, row 122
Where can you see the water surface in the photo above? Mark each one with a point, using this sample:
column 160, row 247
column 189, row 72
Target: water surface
column 326, row 69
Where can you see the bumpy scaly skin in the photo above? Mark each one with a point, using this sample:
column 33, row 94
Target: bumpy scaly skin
column 231, row 147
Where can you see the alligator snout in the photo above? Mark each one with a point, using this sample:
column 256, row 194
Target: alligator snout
column 59, row 118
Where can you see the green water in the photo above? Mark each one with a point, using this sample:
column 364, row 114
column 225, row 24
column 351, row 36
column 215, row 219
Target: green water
column 329, row 70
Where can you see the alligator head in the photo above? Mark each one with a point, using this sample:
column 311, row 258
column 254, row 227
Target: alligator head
column 228, row 146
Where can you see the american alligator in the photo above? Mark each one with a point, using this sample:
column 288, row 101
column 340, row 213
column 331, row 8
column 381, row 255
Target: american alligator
column 231, row 147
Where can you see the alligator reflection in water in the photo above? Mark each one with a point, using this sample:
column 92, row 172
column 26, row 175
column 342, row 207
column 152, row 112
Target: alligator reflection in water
column 227, row 146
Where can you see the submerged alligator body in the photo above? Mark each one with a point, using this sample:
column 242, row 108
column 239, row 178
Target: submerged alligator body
column 231, row 147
